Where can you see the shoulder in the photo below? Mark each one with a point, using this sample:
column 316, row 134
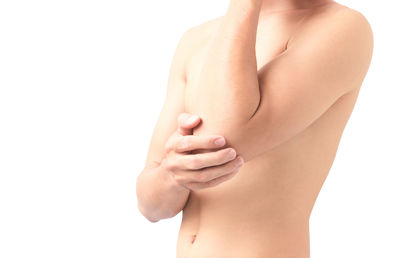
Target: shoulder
column 193, row 39
column 337, row 22
column 196, row 36
column 352, row 22
column 203, row 30
column 189, row 42
column 334, row 42
column 336, row 33
column 358, row 26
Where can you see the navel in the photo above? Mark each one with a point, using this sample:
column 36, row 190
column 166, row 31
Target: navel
column 193, row 238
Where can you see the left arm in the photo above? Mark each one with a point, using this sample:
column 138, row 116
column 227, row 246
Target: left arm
column 228, row 91
column 323, row 63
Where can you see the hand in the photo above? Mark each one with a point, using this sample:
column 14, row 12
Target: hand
column 202, row 170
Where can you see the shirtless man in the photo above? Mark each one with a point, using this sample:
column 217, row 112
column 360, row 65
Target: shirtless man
column 277, row 80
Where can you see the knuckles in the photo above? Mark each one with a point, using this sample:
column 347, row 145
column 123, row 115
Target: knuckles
column 169, row 165
column 179, row 179
column 167, row 146
column 195, row 186
column 202, row 177
column 171, row 142
column 192, row 162
column 184, row 143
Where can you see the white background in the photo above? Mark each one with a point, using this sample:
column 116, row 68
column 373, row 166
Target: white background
column 81, row 86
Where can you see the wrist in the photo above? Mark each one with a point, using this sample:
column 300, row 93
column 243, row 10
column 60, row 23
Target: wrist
column 251, row 4
column 244, row 9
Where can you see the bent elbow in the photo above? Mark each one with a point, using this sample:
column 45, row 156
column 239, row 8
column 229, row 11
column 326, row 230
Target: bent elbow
column 147, row 215
column 156, row 216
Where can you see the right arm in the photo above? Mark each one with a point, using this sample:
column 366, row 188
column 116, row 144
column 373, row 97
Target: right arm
column 171, row 171
column 152, row 183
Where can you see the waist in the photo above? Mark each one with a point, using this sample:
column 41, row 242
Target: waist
column 250, row 239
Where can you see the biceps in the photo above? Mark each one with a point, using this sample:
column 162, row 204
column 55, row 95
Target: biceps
column 300, row 85
column 289, row 104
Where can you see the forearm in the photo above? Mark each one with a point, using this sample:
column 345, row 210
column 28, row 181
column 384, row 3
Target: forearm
column 228, row 89
column 158, row 196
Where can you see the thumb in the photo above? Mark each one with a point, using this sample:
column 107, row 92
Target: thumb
column 186, row 123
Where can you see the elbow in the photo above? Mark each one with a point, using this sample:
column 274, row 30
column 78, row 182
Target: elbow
column 155, row 216
column 235, row 119
column 152, row 220
column 250, row 139
column 147, row 215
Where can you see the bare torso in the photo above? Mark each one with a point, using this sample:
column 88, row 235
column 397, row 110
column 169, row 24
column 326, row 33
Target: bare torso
column 263, row 211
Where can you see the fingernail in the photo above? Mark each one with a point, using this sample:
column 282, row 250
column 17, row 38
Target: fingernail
column 192, row 119
column 220, row 141
column 240, row 161
column 231, row 153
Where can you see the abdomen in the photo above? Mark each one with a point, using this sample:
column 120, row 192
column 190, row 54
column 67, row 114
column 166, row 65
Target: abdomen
column 270, row 200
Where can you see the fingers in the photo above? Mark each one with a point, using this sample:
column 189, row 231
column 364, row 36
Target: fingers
column 186, row 123
column 193, row 142
column 201, row 170
column 208, row 174
column 198, row 186
column 201, row 160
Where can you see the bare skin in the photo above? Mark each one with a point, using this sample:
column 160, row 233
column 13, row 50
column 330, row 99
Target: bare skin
column 278, row 80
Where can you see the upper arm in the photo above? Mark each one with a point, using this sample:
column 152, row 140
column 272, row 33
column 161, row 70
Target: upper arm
column 173, row 105
column 324, row 63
